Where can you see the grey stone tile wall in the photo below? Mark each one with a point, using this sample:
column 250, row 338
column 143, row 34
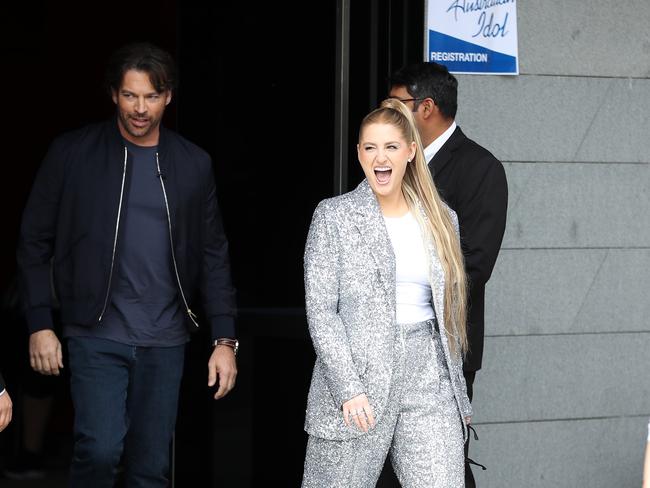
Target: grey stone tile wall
column 595, row 38
column 561, row 454
column 575, row 205
column 533, row 378
column 569, row 291
column 563, row 399
column 557, row 118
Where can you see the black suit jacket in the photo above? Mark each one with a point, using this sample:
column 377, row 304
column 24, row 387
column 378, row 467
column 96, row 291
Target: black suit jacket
column 473, row 183
column 2, row 383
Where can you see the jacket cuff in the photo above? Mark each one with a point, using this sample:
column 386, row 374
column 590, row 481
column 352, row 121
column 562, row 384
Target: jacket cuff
column 468, row 411
column 348, row 392
column 223, row 326
column 39, row 319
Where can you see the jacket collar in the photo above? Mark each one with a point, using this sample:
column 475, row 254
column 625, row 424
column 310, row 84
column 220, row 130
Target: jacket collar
column 116, row 154
column 443, row 156
column 117, row 145
column 116, row 136
column 369, row 221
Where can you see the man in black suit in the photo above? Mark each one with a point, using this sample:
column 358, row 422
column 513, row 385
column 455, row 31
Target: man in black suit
column 469, row 178
column 5, row 406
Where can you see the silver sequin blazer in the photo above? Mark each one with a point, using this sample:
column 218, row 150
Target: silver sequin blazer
column 350, row 301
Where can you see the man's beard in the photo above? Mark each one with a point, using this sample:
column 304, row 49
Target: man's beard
column 134, row 131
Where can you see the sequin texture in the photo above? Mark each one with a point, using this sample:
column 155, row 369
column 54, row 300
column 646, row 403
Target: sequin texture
column 350, row 304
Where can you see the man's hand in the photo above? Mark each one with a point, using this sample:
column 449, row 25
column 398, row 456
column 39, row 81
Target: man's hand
column 5, row 410
column 222, row 365
column 45, row 354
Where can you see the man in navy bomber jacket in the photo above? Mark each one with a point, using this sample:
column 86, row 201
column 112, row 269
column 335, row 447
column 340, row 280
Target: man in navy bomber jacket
column 124, row 216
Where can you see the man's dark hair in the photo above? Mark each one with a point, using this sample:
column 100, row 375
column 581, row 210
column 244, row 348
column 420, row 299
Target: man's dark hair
column 429, row 80
column 145, row 57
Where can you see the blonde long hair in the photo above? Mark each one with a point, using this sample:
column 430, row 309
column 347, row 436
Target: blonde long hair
column 418, row 189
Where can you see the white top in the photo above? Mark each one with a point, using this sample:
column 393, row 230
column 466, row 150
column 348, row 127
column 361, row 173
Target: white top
column 412, row 266
column 431, row 150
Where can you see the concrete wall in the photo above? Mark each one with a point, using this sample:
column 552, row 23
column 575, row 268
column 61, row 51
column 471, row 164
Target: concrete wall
column 563, row 399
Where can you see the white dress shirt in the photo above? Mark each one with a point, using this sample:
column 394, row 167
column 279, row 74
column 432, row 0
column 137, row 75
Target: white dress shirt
column 431, row 150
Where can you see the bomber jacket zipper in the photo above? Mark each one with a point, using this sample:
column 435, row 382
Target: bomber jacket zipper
column 117, row 228
column 191, row 315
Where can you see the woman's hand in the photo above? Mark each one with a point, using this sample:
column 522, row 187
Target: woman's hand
column 5, row 410
column 359, row 411
column 468, row 420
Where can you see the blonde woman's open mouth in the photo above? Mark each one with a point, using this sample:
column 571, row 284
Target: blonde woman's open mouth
column 383, row 174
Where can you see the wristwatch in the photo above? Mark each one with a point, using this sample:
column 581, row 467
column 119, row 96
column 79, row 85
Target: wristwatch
column 226, row 341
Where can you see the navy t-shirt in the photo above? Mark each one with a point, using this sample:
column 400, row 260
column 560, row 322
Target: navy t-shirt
column 145, row 308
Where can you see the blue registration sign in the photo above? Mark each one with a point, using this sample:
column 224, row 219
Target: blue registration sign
column 473, row 36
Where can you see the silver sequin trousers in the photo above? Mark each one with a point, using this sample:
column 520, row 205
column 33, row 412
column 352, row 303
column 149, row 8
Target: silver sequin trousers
column 421, row 428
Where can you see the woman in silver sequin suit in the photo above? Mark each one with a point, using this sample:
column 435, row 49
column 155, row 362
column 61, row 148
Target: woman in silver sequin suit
column 381, row 387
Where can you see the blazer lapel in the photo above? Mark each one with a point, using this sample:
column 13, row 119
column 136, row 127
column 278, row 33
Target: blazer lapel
column 370, row 223
column 436, row 273
column 443, row 156
column 437, row 281
column 437, row 278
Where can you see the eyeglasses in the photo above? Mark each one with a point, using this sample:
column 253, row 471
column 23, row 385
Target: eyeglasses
column 404, row 100
column 415, row 105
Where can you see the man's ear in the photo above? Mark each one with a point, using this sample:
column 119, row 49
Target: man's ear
column 168, row 97
column 429, row 108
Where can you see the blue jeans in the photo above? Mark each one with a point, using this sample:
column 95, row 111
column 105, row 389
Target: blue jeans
column 125, row 398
